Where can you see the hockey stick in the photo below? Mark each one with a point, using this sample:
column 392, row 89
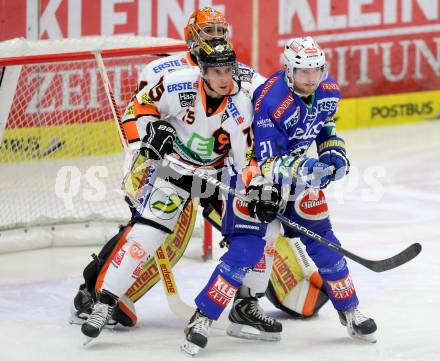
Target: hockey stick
column 176, row 304
column 111, row 99
column 375, row 265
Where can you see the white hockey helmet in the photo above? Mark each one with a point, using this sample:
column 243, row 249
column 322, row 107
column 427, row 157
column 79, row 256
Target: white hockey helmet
column 302, row 53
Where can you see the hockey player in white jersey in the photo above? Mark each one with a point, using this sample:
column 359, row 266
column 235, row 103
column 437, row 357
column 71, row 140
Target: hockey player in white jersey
column 203, row 119
column 203, row 25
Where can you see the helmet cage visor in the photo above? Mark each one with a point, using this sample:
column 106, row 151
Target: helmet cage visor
column 207, row 31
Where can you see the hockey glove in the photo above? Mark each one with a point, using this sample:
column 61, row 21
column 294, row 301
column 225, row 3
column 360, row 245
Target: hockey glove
column 313, row 173
column 264, row 200
column 332, row 152
column 159, row 139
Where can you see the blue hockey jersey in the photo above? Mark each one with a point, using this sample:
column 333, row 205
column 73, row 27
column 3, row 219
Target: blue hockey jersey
column 284, row 125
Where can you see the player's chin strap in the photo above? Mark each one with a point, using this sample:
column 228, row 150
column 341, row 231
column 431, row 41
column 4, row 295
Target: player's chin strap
column 376, row 266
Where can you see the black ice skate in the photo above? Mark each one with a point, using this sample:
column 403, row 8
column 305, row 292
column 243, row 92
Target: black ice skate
column 101, row 314
column 82, row 306
column 196, row 333
column 247, row 312
column 359, row 326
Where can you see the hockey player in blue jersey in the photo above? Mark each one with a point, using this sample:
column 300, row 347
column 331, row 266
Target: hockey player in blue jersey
column 292, row 109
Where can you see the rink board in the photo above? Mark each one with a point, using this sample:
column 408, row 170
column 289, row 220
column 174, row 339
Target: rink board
column 387, row 110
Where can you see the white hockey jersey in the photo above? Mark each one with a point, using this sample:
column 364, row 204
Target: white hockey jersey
column 153, row 71
column 250, row 79
column 179, row 97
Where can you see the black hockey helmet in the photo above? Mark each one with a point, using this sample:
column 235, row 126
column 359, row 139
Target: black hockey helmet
column 216, row 53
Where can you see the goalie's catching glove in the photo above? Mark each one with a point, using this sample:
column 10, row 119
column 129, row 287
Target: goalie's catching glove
column 159, row 139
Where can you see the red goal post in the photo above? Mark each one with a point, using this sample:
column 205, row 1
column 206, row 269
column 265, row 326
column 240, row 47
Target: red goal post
column 61, row 160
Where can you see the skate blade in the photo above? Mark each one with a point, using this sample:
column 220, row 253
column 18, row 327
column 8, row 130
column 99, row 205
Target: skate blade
column 75, row 320
column 87, row 340
column 236, row 330
column 371, row 338
column 189, row 348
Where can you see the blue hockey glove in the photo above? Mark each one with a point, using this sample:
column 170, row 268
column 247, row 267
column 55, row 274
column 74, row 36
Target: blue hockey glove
column 332, row 152
column 337, row 159
column 314, row 173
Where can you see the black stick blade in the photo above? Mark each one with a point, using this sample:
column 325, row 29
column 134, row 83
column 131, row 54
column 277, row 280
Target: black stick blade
column 399, row 259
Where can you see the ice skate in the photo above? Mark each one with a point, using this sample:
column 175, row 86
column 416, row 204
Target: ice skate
column 82, row 306
column 101, row 314
column 359, row 326
column 196, row 333
column 247, row 312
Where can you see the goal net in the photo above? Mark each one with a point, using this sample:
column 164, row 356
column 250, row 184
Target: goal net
column 61, row 160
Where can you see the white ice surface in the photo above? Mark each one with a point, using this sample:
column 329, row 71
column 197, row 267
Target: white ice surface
column 36, row 287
